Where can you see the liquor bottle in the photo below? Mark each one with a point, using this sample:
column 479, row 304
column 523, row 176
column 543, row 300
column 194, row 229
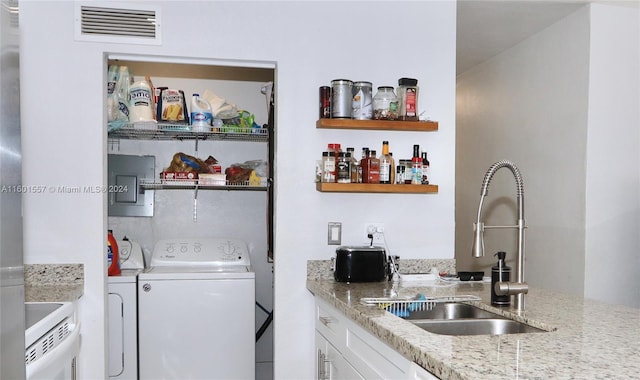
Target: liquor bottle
column 363, row 176
column 343, row 168
column 392, row 169
column 387, row 168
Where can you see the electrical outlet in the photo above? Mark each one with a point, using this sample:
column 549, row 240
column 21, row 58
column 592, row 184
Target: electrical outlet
column 376, row 230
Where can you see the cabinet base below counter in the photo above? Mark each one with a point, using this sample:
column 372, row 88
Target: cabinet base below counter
column 53, row 282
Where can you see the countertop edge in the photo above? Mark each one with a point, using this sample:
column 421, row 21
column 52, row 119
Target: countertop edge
column 53, row 282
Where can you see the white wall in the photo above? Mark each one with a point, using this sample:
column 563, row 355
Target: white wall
column 613, row 158
column 550, row 105
column 310, row 43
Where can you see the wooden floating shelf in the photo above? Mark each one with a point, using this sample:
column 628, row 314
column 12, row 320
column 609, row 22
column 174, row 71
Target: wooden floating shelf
column 378, row 125
column 330, row 187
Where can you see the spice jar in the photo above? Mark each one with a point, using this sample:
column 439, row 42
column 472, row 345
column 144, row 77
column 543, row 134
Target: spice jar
column 400, row 171
column 408, row 99
column 385, row 104
column 408, row 171
column 328, row 167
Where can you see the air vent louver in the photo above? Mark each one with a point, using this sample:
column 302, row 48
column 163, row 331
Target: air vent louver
column 118, row 24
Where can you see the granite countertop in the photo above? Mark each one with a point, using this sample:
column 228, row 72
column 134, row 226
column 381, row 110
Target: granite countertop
column 53, row 282
column 585, row 339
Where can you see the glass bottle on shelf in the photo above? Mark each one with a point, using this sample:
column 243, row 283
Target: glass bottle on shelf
column 343, row 168
column 363, row 174
column 387, row 169
column 407, row 99
column 355, row 164
column 406, row 172
column 385, row 104
column 374, row 167
column 399, row 175
column 425, row 169
column 416, row 166
column 328, row 167
column 392, row 168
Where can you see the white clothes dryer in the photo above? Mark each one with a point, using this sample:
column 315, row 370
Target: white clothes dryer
column 196, row 311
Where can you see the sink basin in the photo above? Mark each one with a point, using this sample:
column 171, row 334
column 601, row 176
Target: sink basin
column 495, row 326
column 452, row 318
column 452, row 310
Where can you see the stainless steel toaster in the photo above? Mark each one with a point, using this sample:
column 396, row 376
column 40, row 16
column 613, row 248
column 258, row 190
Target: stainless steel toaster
column 361, row 264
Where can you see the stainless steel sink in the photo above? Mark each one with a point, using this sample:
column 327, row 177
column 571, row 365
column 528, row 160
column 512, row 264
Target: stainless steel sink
column 452, row 310
column 453, row 318
column 497, row 326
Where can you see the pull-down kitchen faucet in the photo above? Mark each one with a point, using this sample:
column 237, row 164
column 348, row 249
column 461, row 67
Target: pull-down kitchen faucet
column 518, row 288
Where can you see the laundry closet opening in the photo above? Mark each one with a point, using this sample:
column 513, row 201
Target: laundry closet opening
column 211, row 182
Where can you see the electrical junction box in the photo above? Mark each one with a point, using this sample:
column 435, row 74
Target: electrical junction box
column 126, row 196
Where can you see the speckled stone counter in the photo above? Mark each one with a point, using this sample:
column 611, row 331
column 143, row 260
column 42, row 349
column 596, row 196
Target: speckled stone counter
column 53, row 282
column 322, row 269
column 585, row 339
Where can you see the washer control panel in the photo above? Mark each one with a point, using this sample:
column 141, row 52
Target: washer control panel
column 200, row 252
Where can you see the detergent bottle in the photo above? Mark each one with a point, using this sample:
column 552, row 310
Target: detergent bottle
column 113, row 260
column 201, row 114
column 140, row 102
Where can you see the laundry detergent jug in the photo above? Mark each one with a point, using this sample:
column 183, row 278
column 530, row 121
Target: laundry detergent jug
column 201, row 115
column 113, row 261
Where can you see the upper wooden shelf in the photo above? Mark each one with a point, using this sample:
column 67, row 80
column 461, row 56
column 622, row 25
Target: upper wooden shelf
column 380, row 125
column 331, row 187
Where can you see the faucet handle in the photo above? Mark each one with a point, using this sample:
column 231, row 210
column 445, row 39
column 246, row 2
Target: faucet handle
column 511, row 288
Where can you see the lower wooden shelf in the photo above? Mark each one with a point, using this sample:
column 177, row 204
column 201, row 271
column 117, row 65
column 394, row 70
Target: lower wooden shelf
column 329, row 187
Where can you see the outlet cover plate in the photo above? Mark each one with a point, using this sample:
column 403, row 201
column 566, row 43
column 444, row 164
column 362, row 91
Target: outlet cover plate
column 378, row 234
column 334, row 233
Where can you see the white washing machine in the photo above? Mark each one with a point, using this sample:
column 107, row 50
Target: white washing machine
column 123, row 315
column 196, row 311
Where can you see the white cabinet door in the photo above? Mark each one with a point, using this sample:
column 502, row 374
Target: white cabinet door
column 354, row 353
column 418, row 373
column 331, row 365
column 339, row 367
column 321, row 354
column 116, row 335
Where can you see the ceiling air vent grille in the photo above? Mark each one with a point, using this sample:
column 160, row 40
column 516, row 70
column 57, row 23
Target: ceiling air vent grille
column 122, row 25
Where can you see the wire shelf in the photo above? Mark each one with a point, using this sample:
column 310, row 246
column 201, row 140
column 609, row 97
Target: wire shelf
column 164, row 131
column 182, row 184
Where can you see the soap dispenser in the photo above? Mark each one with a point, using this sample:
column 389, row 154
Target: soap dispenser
column 500, row 273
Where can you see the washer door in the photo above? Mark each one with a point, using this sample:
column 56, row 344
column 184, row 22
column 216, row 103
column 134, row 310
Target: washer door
column 196, row 329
